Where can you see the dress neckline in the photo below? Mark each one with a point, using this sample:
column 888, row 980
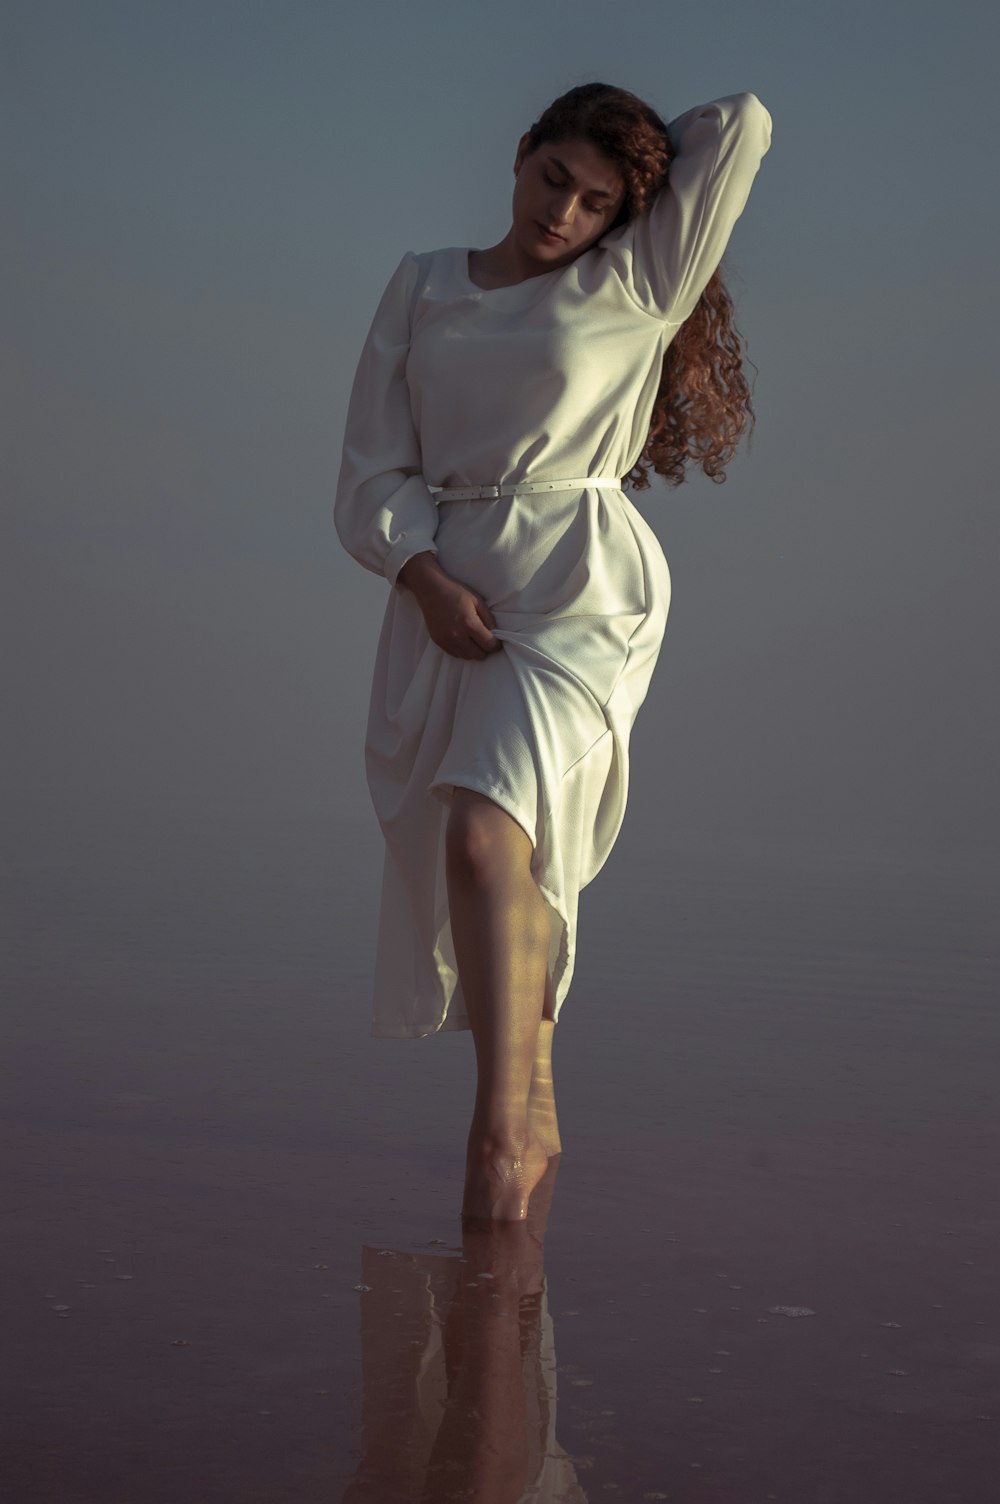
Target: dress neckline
column 463, row 266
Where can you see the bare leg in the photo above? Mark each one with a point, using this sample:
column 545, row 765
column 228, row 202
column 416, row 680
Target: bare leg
column 500, row 930
column 541, row 1095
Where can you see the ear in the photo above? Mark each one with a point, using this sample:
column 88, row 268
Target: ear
column 522, row 151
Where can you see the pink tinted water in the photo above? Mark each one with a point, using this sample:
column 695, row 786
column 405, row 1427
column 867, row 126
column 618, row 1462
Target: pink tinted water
column 765, row 1267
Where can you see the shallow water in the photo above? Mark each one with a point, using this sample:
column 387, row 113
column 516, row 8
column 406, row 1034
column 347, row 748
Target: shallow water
column 766, row 1266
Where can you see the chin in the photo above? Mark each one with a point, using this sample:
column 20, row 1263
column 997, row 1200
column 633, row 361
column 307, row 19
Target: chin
column 533, row 239
column 557, row 252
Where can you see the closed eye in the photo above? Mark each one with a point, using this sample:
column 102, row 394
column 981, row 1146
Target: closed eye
column 554, row 183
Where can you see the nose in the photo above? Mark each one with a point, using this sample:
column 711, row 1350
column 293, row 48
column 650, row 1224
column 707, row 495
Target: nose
column 563, row 210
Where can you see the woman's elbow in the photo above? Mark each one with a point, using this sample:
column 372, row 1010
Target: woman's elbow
column 754, row 116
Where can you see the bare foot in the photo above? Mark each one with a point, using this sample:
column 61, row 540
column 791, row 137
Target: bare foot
column 500, row 1177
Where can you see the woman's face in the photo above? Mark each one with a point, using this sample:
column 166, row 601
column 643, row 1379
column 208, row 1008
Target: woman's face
column 567, row 186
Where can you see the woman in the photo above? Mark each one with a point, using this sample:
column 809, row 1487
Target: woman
column 501, row 396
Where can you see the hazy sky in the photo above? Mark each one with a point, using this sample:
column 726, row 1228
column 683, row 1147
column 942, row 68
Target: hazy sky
column 209, row 198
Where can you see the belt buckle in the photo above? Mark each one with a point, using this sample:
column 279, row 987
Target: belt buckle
column 489, row 493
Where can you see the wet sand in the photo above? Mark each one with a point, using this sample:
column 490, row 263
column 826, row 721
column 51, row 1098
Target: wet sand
column 765, row 1267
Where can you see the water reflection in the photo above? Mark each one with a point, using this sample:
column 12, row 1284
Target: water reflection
column 459, row 1368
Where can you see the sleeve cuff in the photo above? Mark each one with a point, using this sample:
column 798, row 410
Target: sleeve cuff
column 400, row 552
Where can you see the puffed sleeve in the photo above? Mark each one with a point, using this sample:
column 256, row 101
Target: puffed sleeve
column 668, row 254
column 383, row 511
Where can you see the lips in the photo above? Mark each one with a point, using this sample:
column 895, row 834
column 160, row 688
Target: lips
column 547, row 233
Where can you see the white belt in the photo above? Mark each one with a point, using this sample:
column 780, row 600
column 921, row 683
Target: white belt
column 520, row 487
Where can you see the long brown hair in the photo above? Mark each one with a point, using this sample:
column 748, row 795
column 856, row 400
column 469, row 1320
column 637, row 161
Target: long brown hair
column 703, row 403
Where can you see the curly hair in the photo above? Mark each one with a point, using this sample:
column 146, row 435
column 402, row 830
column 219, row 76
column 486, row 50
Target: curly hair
column 703, row 401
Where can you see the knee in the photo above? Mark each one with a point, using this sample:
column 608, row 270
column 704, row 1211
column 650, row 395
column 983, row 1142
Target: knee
column 472, row 847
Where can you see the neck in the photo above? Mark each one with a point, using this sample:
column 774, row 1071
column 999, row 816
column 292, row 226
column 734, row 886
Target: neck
column 506, row 263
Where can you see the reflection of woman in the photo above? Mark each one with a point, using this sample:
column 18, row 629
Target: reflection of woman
column 459, row 1364
column 500, row 397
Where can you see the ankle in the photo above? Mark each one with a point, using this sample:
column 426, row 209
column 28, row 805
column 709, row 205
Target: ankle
column 500, row 1140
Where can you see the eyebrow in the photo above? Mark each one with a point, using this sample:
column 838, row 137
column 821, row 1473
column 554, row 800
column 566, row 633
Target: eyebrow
column 597, row 192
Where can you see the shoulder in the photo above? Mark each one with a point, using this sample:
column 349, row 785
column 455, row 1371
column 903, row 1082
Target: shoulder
column 404, row 281
column 436, row 254
column 426, row 260
column 417, row 269
column 437, row 276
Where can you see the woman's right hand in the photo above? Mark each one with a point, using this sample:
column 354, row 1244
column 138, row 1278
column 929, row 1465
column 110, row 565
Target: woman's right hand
column 457, row 618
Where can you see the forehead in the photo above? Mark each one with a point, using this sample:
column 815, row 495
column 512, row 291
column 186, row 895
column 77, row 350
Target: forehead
column 584, row 161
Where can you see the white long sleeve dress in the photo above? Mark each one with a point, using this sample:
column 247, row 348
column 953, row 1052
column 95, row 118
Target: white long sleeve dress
column 552, row 378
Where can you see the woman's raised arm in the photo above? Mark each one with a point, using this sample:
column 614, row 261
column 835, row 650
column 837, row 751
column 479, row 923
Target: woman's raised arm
column 668, row 254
